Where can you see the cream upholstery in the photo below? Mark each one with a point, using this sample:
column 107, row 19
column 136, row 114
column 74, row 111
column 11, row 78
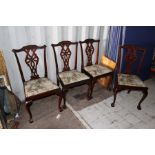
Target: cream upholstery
column 69, row 77
column 96, row 70
column 38, row 86
column 130, row 80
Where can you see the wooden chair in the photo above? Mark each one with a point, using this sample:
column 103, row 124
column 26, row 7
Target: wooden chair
column 67, row 77
column 131, row 57
column 94, row 71
column 36, row 87
column 152, row 69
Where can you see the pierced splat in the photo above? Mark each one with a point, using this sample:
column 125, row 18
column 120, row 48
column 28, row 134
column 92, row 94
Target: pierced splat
column 32, row 60
column 65, row 55
column 130, row 58
column 133, row 58
column 89, row 51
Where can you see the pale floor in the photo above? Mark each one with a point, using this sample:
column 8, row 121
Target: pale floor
column 125, row 114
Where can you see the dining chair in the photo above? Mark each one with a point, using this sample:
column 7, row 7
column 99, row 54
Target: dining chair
column 36, row 87
column 68, row 76
column 129, row 66
column 94, row 70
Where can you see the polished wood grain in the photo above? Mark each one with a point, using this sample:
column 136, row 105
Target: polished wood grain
column 65, row 54
column 32, row 60
column 132, row 58
column 89, row 50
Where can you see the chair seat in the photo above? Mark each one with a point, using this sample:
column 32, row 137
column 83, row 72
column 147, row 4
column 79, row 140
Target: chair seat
column 97, row 70
column 73, row 76
column 130, row 80
column 38, row 86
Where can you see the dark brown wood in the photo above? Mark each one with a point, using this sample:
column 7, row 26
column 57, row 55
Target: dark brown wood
column 32, row 61
column 28, row 105
column 90, row 50
column 75, row 67
column 116, row 90
column 60, row 96
column 45, row 63
column 65, row 53
column 145, row 93
column 131, row 54
column 97, row 54
column 19, row 66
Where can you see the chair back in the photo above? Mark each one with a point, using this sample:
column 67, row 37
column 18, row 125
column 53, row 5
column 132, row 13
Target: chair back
column 31, row 58
column 89, row 50
column 64, row 49
column 130, row 59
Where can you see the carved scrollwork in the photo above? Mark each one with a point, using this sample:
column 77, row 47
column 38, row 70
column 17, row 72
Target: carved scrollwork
column 130, row 58
column 65, row 55
column 32, row 60
column 89, row 51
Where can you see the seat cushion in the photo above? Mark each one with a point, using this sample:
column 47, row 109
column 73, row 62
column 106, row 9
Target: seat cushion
column 69, row 77
column 97, row 70
column 38, row 86
column 130, row 80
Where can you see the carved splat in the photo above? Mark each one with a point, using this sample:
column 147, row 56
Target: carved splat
column 89, row 51
column 32, row 60
column 65, row 55
column 130, row 58
column 133, row 57
column 63, row 48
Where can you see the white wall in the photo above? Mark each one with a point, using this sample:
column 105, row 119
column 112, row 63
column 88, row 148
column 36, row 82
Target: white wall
column 19, row 36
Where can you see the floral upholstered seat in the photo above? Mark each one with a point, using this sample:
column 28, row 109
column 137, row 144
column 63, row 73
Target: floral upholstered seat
column 73, row 76
column 130, row 80
column 97, row 70
column 38, row 86
column 129, row 64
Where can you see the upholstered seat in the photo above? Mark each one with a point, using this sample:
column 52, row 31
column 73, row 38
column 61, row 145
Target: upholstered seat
column 90, row 62
column 97, row 70
column 129, row 62
column 73, row 76
column 38, row 86
column 130, row 80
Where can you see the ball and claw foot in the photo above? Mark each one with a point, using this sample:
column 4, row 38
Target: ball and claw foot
column 31, row 120
column 139, row 107
column 112, row 105
column 64, row 106
column 60, row 109
column 89, row 98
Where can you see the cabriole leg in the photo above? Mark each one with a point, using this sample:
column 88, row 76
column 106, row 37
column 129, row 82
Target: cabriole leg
column 115, row 95
column 59, row 101
column 28, row 105
column 64, row 98
column 145, row 93
column 91, row 89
